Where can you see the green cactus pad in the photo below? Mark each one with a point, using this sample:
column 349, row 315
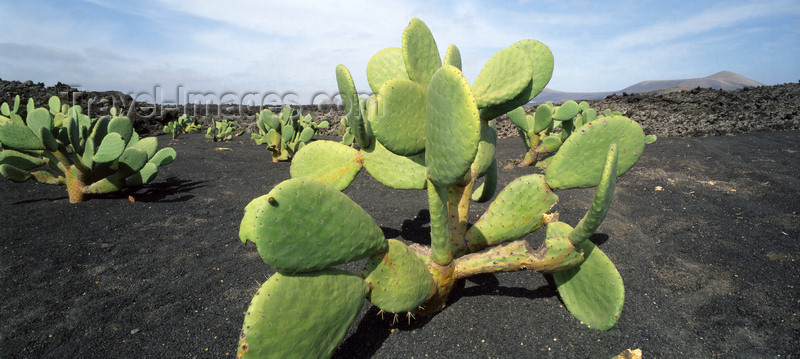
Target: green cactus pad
column 395, row 171
column 650, row 139
column 148, row 144
column 542, row 61
column 145, row 175
column 347, row 88
column 401, row 125
column 517, row 211
column 87, row 159
column 13, row 173
column 566, row 111
column 486, row 149
column 110, row 149
column 131, row 161
column 519, row 119
column 602, row 200
column 48, row 140
column 399, row 280
column 326, row 302
column 452, row 127
column 385, row 65
column 593, row 292
column 453, row 56
column 579, row 161
column 551, row 143
column 558, row 229
column 163, row 157
column 20, row 137
column 503, row 77
column 40, row 117
column 123, row 126
column 306, row 135
column 486, row 190
column 303, row 225
column 20, row 160
column 542, row 119
column 420, row 53
column 328, row 162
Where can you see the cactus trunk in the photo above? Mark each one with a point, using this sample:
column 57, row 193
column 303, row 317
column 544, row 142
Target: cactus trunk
column 75, row 180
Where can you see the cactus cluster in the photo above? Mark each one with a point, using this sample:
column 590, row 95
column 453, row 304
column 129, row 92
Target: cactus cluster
column 427, row 128
column 222, row 130
column 89, row 156
column 285, row 133
column 183, row 124
column 543, row 132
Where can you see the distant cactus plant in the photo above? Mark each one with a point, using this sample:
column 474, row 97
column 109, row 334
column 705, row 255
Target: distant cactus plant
column 545, row 131
column 183, row 124
column 426, row 127
column 344, row 132
column 89, row 156
column 286, row 133
column 222, row 130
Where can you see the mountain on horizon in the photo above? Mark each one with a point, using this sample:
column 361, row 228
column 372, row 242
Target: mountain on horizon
column 724, row 80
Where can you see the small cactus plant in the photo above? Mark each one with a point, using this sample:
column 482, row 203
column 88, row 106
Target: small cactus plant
column 545, row 131
column 426, row 127
column 286, row 133
column 222, row 130
column 183, row 124
column 89, row 156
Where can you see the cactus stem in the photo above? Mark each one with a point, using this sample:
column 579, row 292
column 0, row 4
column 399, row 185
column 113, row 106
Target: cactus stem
column 75, row 180
column 444, row 276
column 457, row 211
column 512, row 257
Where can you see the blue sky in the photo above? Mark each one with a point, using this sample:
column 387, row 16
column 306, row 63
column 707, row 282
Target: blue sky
column 285, row 47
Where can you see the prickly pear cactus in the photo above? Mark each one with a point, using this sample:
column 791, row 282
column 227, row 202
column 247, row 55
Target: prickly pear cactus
column 222, row 130
column 426, row 127
column 89, row 156
column 286, row 133
column 183, row 124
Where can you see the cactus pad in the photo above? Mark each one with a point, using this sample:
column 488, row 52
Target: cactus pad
column 452, row 127
column 328, row 162
column 517, row 211
column 385, row 65
column 542, row 61
column 326, row 302
column 395, row 171
column 503, row 77
column 17, row 136
column 593, row 292
column 420, row 53
column 579, row 161
column 602, row 200
column 399, row 279
column 400, row 127
column 303, row 225
column 453, row 56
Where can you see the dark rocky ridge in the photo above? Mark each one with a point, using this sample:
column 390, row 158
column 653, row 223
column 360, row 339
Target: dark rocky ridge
column 694, row 113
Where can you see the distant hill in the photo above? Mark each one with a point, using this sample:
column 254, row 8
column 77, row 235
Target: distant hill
column 724, row 80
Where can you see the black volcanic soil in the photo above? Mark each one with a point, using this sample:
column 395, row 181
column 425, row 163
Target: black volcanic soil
column 704, row 231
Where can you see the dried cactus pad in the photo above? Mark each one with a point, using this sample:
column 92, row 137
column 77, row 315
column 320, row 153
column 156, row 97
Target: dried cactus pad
column 579, row 161
column 328, row 162
column 452, row 127
column 271, row 329
column 398, row 279
column 303, row 225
